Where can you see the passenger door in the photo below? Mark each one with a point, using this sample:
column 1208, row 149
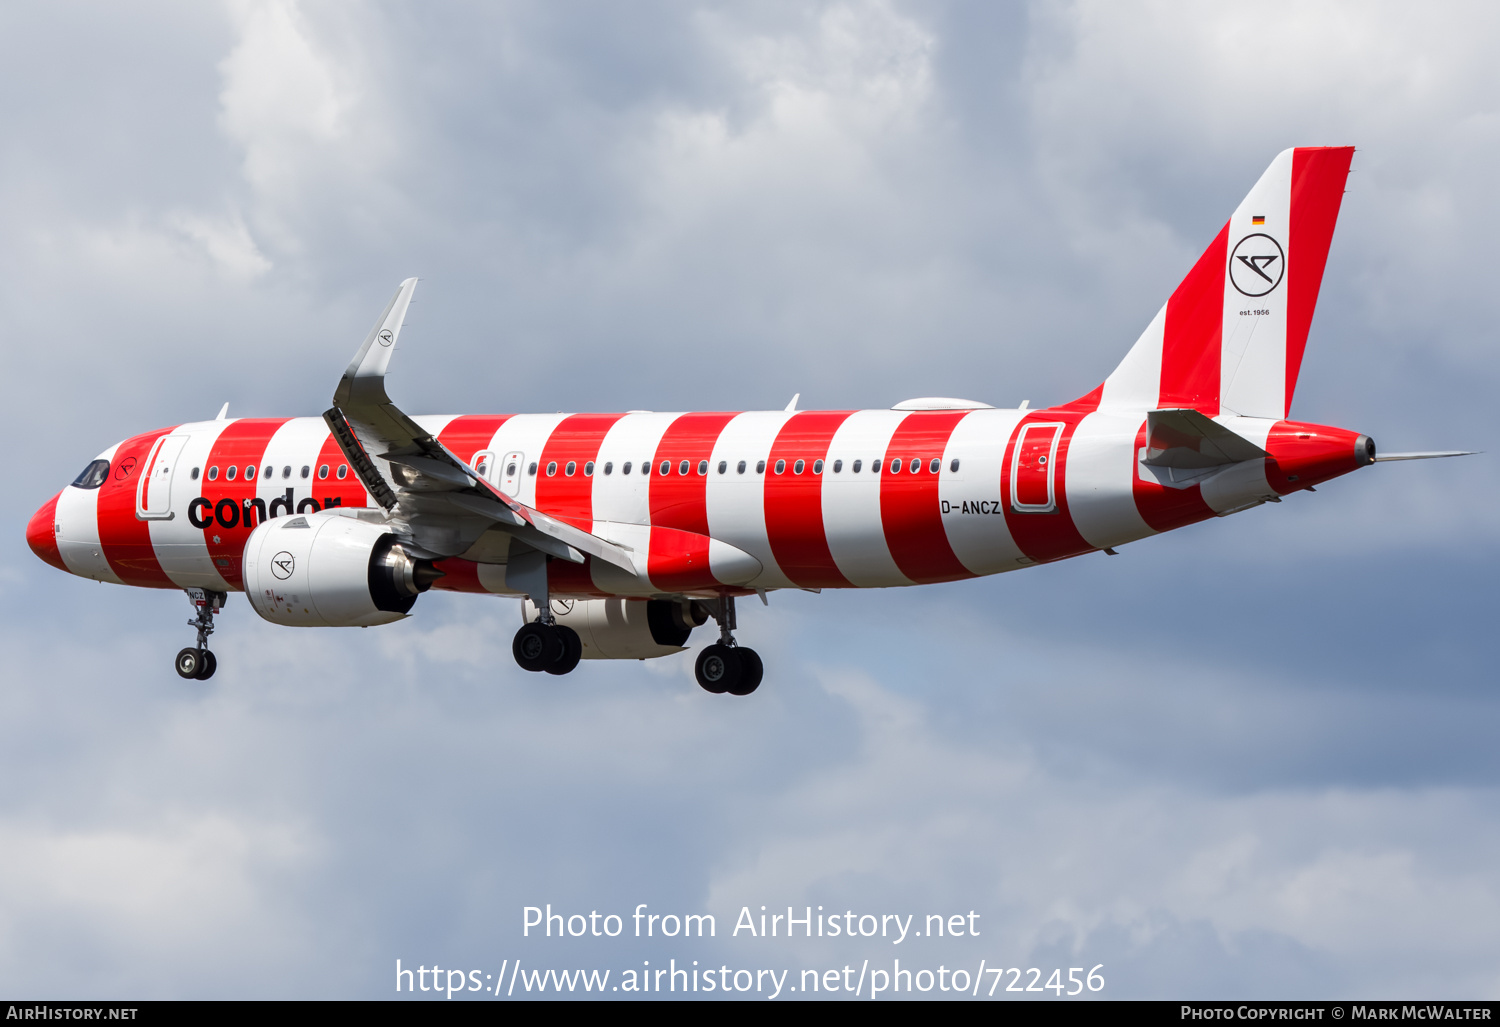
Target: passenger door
column 153, row 497
column 1033, row 471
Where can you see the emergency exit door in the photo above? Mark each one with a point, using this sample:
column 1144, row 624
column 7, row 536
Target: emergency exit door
column 510, row 473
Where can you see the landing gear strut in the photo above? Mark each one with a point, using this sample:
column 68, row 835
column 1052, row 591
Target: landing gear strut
column 726, row 666
column 543, row 644
column 197, row 663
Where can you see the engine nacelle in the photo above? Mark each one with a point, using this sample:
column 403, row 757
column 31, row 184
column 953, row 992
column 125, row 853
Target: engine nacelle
column 626, row 629
column 331, row 570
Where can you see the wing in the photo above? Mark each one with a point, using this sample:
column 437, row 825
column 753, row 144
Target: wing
column 437, row 503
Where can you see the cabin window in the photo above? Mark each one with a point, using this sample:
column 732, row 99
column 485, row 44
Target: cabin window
column 92, row 476
column 322, row 472
column 230, row 472
column 646, row 467
column 797, row 467
column 195, row 474
column 531, row 470
column 625, row 469
column 703, row 467
column 286, row 472
column 936, row 465
column 666, row 467
column 817, row 467
column 609, row 467
column 896, row 465
column 740, row 467
column 306, row 472
column 874, row 466
column 588, row 469
column 916, row 465
column 854, row 468
column 724, row 466
column 551, row 468
column 510, row 469
column 838, row 465
column 572, row 466
column 213, row 473
column 780, row 466
column 343, row 471
column 250, row 472
column 760, row 467
column 953, row 465
column 682, row 468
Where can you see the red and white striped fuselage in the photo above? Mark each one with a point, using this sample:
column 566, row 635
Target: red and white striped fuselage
column 714, row 502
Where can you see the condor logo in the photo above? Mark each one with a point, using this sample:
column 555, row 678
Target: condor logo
column 282, row 565
column 1257, row 264
column 226, row 513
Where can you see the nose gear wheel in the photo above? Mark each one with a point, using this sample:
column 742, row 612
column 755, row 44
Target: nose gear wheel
column 197, row 663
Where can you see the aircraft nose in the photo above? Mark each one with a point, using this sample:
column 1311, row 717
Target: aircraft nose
column 41, row 534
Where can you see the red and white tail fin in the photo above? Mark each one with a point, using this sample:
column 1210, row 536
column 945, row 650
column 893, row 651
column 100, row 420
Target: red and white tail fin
column 1230, row 339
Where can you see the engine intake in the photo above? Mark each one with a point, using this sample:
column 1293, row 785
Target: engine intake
column 331, row 570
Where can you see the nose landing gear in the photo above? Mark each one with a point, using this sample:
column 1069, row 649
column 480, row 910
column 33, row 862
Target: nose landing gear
column 726, row 666
column 197, row 663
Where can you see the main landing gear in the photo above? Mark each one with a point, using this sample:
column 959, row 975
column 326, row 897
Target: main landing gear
column 554, row 648
column 544, row 644
column 197, row 663
column 726, row 666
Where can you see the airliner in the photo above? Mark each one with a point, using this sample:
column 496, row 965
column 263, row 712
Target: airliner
column 622, row 533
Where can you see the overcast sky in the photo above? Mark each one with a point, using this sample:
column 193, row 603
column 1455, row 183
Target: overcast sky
column 1255, row 757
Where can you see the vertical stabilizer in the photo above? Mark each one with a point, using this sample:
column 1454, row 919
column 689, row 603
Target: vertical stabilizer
column 1231, row 337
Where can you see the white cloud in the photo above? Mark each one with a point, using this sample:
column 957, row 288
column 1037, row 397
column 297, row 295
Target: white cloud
column 282, row 91
column 187, row 895
column 304, row 114
column 227, row 243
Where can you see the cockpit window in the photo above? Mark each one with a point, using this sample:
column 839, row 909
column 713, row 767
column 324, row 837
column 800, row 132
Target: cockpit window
column 93, row 475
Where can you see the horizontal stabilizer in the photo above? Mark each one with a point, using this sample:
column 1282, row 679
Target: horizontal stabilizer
column 1187, row 439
